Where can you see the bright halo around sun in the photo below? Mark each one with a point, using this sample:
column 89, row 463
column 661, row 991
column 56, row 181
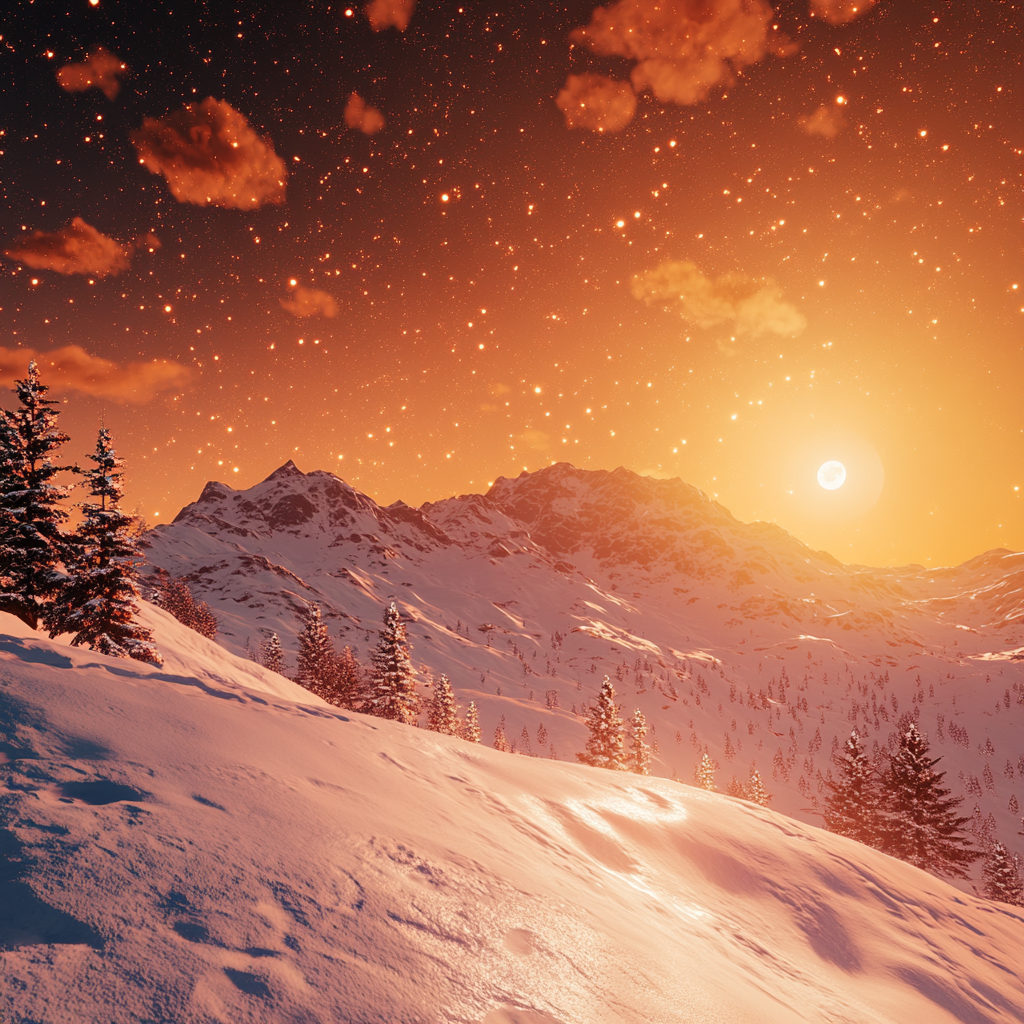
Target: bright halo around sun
column 832, row 475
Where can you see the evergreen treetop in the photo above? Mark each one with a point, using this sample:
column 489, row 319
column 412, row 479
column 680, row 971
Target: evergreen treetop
column 704, row 773
column 316, row 655
column 922, row 826
column 853, row 806
column 471, row 726
column 639, row 760
column 271, row 654
column 442, row 715
column 32, row 545
column 98, row 601
column 604, row 742
column 1002, row 877
column 393, row 694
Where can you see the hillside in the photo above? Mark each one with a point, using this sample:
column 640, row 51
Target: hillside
column 208, row 843
column 731, row 637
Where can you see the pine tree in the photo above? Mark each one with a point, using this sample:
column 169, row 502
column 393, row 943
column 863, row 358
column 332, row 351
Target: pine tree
column 316, row 655
column 922, row 825
column 604, row 744
column 471, row 726
column 755, row 791
column 704, row 773
column 98, row 601
column 853, row 806
column 175, row 597
column 393, row 693
column 271, row 654
column 639, row 752
column 32, row 545
column 442, row 715
column 500, row 739
column 1002, row 874
column 349, row 681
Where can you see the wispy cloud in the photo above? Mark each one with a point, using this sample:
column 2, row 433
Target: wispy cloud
column 596, row 102
column 826, row 121
column 304, row 301
column 100, row 70
column 210, row 156
column 384, row 14
column 683, row 49
column 74, row 369
column 77, row 248
column 360, row 115
column 749, row 306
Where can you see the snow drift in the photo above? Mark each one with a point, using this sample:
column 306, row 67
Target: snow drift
column 206, row 842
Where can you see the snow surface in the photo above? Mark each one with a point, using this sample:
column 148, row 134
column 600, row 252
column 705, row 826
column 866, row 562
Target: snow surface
column 208, row 843
column 693, row 614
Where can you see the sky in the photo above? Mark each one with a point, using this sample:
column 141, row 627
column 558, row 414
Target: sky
column 422, row 245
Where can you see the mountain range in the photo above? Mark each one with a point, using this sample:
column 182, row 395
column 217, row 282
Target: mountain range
column 733, row 638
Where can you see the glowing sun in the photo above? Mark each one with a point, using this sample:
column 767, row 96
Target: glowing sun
column 832, row 475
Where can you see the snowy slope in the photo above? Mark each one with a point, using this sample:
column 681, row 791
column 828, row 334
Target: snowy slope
column 205, row 844
column 731, row 637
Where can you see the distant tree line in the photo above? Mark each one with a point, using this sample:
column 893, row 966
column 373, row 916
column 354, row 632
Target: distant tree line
column 82, row 581
column 385, row 689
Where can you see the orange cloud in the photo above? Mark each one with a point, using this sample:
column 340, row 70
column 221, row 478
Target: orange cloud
column 310, row 302
column 210, row 156
column 384, row 14
column 77, row 248
column 825, row 121
column 749, row 306
column 684, row 48
column 99, row 70
column 72, row 368
column 839, row 12
column 358, row 114
column 596, row 102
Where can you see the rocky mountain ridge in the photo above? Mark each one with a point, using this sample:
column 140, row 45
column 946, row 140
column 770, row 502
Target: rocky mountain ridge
column 732, row 637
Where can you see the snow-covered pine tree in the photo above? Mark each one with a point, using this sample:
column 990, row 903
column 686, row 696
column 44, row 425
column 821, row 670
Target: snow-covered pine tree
column 853, row 806
column 639, row 752
column 755, row 790
column 98, row 601
column 922, row 826
column 500, row 739
column 604, row 743
column 316, row 655
column 176, row 598
column 471, row 726
column 271, row 654
column 1002, row 874
column 393, row 694
column 704, row 773
column 32, row 545
column 350, row 688
column 442, row 715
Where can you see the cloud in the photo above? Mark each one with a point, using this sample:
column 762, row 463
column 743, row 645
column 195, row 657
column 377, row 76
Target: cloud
column 383, row 14
column 310, row 302
column 72, row 368
column 683, row 48
column 751, row 307
column 77, row 248
column 210, row 156
column 839, row 12
column 358, row 114
column 596, row 102
column 825, row 121
column 99, row 70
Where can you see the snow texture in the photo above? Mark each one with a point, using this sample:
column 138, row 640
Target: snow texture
column 208, row 842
